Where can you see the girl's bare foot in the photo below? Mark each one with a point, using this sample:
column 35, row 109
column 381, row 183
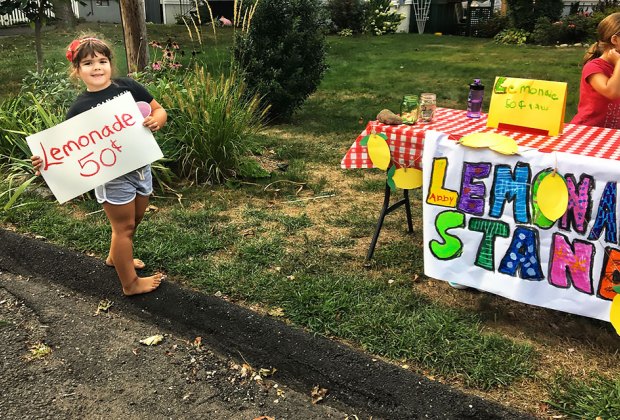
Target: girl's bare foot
column 138, row 264
column 143, row 284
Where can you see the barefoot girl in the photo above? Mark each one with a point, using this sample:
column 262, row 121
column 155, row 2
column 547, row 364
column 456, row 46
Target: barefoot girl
column 125, row 198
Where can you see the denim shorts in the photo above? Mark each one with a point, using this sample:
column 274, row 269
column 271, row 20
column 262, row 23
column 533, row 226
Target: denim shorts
column 123, row 189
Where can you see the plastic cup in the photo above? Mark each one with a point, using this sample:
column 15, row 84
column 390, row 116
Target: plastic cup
column 145, row 108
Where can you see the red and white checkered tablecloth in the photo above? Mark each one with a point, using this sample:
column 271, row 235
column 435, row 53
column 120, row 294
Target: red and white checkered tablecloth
column 407, row 141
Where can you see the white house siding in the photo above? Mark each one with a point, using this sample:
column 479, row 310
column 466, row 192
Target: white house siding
column 100, row 11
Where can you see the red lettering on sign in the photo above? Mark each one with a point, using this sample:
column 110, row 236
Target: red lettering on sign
column 56, row 154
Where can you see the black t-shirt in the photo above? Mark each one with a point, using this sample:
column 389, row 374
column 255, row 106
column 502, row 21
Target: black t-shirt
column 88, row 100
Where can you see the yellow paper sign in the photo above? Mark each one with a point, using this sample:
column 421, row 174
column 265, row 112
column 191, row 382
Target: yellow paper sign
column 538, row 104
column 553, row 196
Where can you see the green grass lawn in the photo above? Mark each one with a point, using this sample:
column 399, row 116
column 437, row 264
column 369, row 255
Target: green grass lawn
column 294, row 245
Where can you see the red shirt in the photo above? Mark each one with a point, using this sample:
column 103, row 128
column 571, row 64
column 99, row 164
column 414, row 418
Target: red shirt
column 594, row 109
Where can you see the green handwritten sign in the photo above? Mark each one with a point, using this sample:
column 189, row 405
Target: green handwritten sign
column 538, row 104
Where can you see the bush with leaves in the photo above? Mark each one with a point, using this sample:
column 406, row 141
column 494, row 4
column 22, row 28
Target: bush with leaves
column 512, row 36
column 346, row 14
column 521, row 14
column 491, row 27
column 52, row 87
column 380, row 18
column 550, row 9
column 572, row 29
column 282, row 59
column 212, row 124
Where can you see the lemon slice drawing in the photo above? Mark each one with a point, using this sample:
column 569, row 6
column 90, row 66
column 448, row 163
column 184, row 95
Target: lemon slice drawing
column 553, row 196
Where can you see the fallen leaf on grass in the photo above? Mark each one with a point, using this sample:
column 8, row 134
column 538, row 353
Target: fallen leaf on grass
column 276, row 312
column 197, row 342
column 152, row 340
column 264, row 372
column 318, row 394
column 246, row 371
column 39, row 350
column 104, row 306
column 264, row 418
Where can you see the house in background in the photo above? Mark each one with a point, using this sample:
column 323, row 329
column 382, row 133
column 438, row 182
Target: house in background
column 157, row 11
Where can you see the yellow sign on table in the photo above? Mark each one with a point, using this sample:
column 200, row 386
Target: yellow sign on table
column 538, row 104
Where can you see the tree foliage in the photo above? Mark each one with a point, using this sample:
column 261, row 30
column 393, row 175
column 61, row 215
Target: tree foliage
column 36, row 12
column 282, row 55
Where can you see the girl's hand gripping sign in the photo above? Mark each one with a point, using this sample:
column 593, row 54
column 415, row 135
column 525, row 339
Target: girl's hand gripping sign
column 94, row 147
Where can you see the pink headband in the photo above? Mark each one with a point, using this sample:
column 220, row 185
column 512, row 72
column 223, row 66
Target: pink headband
column 73, row 47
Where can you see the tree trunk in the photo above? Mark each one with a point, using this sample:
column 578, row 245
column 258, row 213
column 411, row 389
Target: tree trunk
column 38, row 24
column 134, row 30
column 64, row 13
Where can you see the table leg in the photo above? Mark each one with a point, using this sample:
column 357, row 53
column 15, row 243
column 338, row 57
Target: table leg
column 385, row 210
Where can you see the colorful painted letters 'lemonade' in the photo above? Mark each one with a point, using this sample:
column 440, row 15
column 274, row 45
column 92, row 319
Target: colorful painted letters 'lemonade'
column 409, row 109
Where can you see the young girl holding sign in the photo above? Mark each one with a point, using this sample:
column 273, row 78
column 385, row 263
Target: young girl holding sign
column 599, row 91
column 125, row 198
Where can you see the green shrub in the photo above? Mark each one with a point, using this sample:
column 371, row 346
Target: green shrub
column 512, row 36
column 551, row 9
column 282, row 55
column 491, row 27
column 211, row 125
column 546, row 33
column 521, row 14
column 346, row 14
column 52, row 87
column 380, row 18
column 572, row 29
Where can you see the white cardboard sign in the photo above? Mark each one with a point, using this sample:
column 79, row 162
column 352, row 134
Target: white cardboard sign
column 94, row 147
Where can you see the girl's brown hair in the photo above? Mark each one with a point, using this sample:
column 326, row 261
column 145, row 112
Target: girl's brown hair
column 87, row 46
column 607, row 28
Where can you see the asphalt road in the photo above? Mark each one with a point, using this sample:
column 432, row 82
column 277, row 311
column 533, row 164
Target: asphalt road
column 45, row 279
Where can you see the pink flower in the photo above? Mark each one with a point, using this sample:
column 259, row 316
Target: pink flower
column 156, row 65
column 225, row 22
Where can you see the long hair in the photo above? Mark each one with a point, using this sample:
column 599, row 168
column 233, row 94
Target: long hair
column 607, row 28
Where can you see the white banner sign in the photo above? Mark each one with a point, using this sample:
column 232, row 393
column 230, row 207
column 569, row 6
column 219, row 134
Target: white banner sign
column 94, row 147
column 483, row 227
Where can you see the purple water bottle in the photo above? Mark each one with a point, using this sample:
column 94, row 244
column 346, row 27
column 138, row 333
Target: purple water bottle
column 474, row 100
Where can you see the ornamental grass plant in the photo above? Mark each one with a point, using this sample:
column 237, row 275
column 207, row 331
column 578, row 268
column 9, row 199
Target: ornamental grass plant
column 213, row 122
